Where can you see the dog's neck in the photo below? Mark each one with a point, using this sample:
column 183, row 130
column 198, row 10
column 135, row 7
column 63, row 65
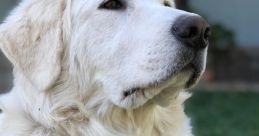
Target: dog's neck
column 65, row 112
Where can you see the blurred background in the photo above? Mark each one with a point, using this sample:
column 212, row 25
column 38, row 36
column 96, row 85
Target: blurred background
column 226, row 101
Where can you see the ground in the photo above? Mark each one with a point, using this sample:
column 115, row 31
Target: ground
column 224, row 113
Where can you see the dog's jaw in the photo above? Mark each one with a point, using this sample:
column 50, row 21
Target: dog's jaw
column 147, row 120
column 163, row 89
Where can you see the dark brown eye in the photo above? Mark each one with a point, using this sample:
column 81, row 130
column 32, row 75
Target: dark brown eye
column 167, row 4
column 112, row 5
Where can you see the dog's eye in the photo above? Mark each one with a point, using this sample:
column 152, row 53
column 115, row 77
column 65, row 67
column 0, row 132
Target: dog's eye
column 112, row 5
column 167, row 4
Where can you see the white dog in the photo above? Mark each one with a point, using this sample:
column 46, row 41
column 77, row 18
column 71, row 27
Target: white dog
column 100, row 67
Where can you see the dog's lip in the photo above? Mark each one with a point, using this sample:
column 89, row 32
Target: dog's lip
column 194, row 77
column 132, row 91
column 192, row 80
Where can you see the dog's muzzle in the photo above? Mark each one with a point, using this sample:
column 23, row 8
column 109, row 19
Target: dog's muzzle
column 193, row 32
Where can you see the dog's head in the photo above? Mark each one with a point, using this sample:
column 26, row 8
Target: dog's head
column 134, row 50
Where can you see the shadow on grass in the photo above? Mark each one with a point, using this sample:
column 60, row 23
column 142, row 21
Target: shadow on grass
column 224, row 113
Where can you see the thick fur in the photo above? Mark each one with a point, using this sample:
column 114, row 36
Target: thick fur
column 72, row 62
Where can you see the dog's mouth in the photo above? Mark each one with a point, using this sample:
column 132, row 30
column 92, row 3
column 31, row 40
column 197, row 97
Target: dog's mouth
column 193, row 77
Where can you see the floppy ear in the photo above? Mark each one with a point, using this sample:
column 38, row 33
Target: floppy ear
column 32, row 40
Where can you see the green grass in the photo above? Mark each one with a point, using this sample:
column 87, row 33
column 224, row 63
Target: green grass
column 224, row 113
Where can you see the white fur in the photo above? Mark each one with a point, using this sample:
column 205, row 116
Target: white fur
column 72, row 62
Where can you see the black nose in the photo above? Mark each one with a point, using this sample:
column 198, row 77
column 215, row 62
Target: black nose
column 192, row 31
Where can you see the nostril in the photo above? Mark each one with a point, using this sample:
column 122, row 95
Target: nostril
column 207, row 33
